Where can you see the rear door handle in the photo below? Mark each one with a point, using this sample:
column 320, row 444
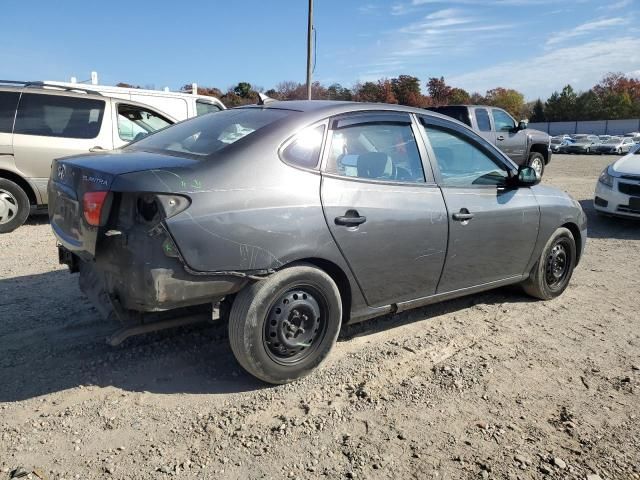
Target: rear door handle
column 500, row 138
column 97, row 148
column 463, row 215
column 350, row 219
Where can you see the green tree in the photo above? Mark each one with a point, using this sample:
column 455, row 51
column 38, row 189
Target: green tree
column 561, row 107
column 510, row 100
column 588, row 106
column 243, row 89
column 406, row 90
column 458, row 96
column 537, row 114
column 338, row 92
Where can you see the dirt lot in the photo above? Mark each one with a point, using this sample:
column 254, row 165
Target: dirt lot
column 491, row 386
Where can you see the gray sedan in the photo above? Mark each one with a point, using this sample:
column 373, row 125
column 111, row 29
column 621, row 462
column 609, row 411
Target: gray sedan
column 295, row 218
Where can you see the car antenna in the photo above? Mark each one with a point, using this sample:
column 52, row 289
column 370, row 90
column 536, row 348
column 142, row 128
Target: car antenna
column 264, row 99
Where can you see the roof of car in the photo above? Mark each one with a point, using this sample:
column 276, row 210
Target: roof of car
column 334, row 107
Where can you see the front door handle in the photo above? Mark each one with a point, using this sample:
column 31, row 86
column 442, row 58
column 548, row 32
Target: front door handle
column 350, row 219
column 501, row 138
column 97, row 148
column 463, row 215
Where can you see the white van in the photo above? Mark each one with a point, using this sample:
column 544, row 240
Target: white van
column 180, row 105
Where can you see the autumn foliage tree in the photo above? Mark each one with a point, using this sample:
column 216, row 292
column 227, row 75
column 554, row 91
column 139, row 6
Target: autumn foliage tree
column 616, row 96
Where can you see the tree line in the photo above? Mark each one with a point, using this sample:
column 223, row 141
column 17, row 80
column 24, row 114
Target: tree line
column 616, row 96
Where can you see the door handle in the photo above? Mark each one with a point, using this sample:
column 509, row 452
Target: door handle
column 350, row 219
column 97, row 148
column 501, row 138
column 463, row 215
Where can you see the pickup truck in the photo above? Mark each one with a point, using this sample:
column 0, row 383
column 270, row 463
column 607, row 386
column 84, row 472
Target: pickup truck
column 523, row 145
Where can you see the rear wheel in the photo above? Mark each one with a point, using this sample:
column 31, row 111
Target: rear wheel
column 552, row 273
column 283, row 327
column 536, row 161
column 14, row 206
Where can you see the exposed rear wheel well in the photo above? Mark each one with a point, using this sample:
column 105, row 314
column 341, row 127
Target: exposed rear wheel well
column 22, row 183
column 541, row 149
column 575, row 231
column 338, row 276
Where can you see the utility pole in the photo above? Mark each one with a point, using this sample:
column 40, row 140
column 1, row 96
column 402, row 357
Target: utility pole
column 309, row 48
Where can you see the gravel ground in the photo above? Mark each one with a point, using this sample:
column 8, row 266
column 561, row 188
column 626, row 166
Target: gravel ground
column 490, row 386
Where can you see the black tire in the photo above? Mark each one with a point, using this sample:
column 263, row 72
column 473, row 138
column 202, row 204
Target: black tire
column 547, row 281
column 14, row 206
column 536, row 159
column 264, row 313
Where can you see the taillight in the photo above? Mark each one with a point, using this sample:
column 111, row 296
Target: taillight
column 92, row 203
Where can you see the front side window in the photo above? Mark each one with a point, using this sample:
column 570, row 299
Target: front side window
column 135, row 123
column 376, row 151
column 482, row 117
column 202, row 108
column 59, row 116
column 462, row 163
column 503, row 121
column 206, row 135
column 8, row 104
column 304, row 149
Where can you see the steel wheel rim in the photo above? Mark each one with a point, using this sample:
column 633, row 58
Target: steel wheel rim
column 8, row 207
column 557, row 264
column 295, row 325
column 536, row 164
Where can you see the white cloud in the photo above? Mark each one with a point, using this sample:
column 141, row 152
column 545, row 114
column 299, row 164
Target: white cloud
column 586, row 28
column 539, row 76
column 616, row 5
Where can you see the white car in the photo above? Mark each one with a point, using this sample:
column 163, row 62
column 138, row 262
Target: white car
column 618, row 188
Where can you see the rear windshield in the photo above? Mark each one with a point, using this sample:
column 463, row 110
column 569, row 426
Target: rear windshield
column 459, row 113
column 209, row 134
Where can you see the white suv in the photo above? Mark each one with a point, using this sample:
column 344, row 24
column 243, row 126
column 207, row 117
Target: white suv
column 40, row 122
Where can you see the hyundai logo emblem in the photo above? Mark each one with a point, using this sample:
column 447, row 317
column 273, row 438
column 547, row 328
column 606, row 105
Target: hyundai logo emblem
column 62, row 170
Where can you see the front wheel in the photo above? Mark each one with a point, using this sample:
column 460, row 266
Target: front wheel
column 283, row 327
column 536, row 161
column 14, row 206
column 552, row 273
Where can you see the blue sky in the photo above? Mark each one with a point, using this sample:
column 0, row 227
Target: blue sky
column 535, row 46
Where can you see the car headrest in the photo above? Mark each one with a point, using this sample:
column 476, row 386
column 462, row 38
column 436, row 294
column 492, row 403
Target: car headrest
column 372, row 164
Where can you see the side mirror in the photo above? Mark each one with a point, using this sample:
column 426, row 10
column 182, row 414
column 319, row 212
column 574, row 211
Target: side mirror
column 522, row 125
column 528, row 177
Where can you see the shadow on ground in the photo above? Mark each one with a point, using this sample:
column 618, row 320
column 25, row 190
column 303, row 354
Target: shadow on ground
column 52, row 339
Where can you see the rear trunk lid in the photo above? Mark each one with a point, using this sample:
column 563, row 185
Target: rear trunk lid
column 72, row 178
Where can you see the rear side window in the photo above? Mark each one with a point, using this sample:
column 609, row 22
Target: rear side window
column 304, row 148
column 209, row 134
column 135, row 123
column 482, row 117
column 376, row 151
column 459, row 113
column 202, row 108
column 59, row 116
column 8, row 104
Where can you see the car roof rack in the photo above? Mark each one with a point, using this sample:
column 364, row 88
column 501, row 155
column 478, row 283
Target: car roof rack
column 41, row 84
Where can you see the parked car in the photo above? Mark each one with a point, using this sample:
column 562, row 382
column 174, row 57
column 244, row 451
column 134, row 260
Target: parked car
column 635, row 136
column 618, row 188
column 299, row 217
column 584, row 144
column 615, row 145
column 523, row 145
column 180, row 105
column 39, row 123
column 559, row 143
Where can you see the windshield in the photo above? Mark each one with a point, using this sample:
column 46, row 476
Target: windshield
column 208, row 134
column 613, row 140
